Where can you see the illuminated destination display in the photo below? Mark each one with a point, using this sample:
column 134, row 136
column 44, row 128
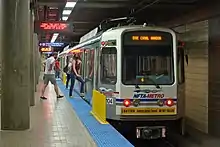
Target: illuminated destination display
column 55, row 44
column 147, row 38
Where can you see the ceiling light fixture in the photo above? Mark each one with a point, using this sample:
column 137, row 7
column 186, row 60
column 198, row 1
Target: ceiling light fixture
column 55, row 35
column 70, row 4
column 67, row 12
column 65, row 17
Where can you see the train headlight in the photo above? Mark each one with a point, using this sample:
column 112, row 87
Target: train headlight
column 127, row 103
column 169, row 102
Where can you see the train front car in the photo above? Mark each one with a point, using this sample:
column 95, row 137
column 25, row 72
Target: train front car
column 149, row 102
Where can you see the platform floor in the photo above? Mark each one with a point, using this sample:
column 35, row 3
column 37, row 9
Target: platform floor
column 53, row 124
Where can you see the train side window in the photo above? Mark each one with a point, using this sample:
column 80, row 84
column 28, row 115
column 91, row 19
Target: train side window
column 108, row 65
column 180, row 66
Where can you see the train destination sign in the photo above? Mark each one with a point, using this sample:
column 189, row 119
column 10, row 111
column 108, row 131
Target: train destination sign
column 147, row 38
column 54, row 44
column 52, row 26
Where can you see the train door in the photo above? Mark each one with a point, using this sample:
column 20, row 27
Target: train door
column 89, row 65
column 96, row 67
column 108, row 68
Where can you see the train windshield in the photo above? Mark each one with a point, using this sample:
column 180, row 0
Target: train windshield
column 147, row 58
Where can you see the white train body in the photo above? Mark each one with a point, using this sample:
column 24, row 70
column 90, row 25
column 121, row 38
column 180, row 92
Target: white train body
column 141, row 71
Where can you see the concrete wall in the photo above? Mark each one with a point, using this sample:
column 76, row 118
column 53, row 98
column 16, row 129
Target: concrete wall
column 214, row 76
column 196, row 37
column 1, row 14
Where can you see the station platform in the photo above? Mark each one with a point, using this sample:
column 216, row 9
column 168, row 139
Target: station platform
column 63, row 123
column 53, row 124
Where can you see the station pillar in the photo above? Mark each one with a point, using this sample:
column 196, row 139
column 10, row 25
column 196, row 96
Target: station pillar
column 36, row 53
column 15, row 112
column 32, row 59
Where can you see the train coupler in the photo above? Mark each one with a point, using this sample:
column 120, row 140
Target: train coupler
column 151, row 132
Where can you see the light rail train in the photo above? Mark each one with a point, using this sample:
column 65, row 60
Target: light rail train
column 140, row 69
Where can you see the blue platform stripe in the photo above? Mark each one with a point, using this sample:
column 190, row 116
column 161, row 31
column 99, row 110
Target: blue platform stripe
column 103, row 135
column 145, row 100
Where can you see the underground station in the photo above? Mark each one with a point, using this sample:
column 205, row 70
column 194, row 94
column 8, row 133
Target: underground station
column 103, row 73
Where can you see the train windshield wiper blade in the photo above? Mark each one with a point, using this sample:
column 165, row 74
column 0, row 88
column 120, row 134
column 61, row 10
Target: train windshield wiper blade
column 154, row 82
column 149, row 78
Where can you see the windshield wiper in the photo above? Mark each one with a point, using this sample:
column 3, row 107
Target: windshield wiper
column 149, row 78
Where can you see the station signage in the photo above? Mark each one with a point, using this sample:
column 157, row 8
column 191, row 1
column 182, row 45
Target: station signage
column 54, row 44
column 146, row 38
column 53, row 26
column 45, row 49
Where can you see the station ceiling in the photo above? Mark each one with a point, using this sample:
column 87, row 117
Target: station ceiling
column 87, row 14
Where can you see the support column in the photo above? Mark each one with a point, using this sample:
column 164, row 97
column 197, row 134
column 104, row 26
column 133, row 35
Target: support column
column 36, row 50
column 15, row 66
column 35, row 44
column 32, row 60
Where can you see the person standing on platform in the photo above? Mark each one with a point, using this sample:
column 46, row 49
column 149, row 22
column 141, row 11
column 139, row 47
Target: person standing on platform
column 68, row 72
column 49, row 75
column 57, row 68
column 75, row 74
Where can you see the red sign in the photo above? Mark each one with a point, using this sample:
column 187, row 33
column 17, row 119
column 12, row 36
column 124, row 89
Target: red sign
column 53, row 26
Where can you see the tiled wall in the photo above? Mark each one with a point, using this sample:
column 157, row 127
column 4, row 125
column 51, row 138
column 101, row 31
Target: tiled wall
column 1, row 10
column 196, row 37
column 214, row 76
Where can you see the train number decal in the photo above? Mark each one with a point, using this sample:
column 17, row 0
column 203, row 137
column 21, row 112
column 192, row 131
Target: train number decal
column 109, row 101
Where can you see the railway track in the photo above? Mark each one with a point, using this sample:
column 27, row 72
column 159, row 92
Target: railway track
column 170, row 141
column 153, row 143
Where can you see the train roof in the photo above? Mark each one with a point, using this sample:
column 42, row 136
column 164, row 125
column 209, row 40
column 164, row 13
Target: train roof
column 94, row 35
column 141, row 27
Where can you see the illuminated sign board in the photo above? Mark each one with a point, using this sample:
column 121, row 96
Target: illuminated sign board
column 46, row 49
column 55, row 44
column 53, row 26
column 76, row 51
column 147, row 38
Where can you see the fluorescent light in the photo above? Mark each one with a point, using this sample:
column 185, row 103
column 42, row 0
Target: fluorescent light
column 53, row 39
column 67, row 12
column 70, row 4
column 64, row 18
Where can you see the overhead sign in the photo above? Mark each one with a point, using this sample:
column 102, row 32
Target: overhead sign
column 53, row 26
column 46, row 49
column 55, row 44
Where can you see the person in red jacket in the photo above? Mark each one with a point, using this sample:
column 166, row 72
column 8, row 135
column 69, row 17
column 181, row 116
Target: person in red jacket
column 57, row 68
